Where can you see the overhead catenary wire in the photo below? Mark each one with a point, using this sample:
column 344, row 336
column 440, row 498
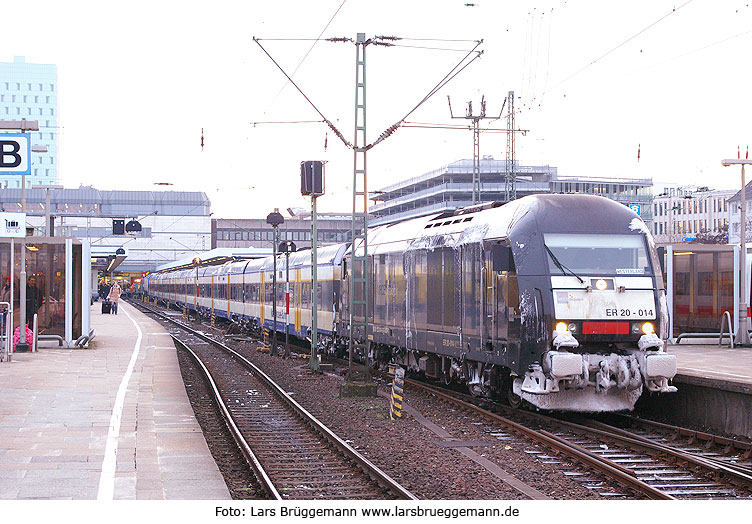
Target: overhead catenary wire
column 447, row 78
column 336, row 131
column 309, row 50
column 457, row 69
column 622, row 44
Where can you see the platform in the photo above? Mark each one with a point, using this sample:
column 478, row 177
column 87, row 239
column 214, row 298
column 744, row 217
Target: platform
column 109, row 422
column 714, row 390
column 719, row 365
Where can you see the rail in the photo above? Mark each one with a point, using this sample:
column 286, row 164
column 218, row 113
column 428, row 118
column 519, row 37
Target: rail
column 241, row 442
column 367, row 466
column 605, row 467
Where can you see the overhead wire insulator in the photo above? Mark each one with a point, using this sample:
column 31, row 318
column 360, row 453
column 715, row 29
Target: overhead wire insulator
column 338, row 134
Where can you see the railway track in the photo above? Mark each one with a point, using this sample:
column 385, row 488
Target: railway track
column 293, row 455
column 655, row 470
column 731, row 453
column 662, row 463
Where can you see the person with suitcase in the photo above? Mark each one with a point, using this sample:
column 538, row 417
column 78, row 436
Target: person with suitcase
column 114, row 296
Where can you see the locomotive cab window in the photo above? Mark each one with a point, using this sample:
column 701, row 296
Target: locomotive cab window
column 596, row 254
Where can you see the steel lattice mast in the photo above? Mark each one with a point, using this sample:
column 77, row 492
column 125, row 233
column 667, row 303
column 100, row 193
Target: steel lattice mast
column 359, row 274
column 510, row 175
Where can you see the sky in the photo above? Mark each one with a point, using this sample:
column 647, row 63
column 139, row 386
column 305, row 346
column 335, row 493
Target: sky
column 595, row 82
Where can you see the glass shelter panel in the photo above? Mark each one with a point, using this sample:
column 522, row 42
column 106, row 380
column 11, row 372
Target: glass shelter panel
column 703, row 290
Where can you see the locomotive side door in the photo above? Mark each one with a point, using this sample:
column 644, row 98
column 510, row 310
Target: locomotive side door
column 497, row 265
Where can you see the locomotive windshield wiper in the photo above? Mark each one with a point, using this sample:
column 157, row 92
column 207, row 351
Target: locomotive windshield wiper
column 561, row 266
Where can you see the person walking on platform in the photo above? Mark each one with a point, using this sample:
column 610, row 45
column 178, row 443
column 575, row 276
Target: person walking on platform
column 114, row 296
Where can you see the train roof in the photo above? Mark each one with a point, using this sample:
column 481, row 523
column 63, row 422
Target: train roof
column 515, row 220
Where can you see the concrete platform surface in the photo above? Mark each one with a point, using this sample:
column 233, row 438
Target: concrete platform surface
column 714, row 365
column 109, row 422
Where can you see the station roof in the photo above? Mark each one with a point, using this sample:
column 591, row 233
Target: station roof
column 216, row 256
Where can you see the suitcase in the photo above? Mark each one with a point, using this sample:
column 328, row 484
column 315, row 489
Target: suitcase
column 106, row 307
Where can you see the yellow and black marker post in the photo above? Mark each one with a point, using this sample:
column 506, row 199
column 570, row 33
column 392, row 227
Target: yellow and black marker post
column 264, row 347
column 398, row 387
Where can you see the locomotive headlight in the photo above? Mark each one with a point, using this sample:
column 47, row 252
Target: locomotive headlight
column 561, row 327
column 648, row 328
column 572, row 327
column 601, row 284
column 636, row 328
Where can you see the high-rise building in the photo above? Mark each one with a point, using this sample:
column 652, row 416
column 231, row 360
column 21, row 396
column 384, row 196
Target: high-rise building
column 450, row 187
column 30, row 91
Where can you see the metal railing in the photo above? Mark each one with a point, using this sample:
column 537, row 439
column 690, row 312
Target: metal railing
column 6, row 331
column 725, row 320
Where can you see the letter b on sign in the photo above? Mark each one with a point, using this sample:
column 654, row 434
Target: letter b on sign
column 9, row 156
column 15, row 154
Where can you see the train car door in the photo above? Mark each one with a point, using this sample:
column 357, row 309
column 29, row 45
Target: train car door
column 497, row 268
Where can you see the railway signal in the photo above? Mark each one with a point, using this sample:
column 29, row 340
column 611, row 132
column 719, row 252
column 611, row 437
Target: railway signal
column 275, row 219
column 287, row 248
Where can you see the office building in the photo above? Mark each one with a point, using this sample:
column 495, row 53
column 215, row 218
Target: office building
column 30, row 91
column 331, row 228
column 684, row 214
column 450, row 187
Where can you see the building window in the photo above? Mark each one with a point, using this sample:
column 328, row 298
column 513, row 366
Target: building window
column 41, row 88
column 52, row 87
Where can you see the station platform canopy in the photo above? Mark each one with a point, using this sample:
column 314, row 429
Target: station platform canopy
column 217, row 256
column 107, row 258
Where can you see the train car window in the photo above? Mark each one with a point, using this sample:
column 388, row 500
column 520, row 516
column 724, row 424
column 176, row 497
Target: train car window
column 598, row 254
column 501, row 258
